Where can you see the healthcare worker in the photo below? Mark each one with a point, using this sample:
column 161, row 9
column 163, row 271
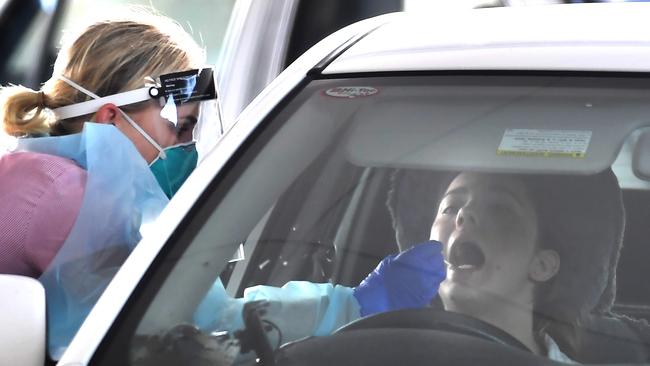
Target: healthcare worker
column 121, row 104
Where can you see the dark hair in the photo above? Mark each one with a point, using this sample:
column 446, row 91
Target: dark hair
column 412, row 202
column 583, row 219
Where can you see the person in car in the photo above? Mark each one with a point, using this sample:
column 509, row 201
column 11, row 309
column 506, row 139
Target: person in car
column 580, row 223
column 499, row 257
column 85, row 113
column 519, row 251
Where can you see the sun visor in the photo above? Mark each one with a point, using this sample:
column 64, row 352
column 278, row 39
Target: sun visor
column 493, row 133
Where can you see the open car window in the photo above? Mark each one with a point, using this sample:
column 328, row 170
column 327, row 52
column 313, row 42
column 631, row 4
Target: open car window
column 349, row 168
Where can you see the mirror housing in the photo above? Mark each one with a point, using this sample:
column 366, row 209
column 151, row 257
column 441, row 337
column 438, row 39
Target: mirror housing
column 641, row 155
column 23, row 321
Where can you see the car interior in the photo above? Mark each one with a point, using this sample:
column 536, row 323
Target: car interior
column 308, row 197
column 304, row 242
column 317, row 255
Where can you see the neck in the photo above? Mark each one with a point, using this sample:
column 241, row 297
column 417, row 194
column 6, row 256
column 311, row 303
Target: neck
column 516, row 321
column 511, row 317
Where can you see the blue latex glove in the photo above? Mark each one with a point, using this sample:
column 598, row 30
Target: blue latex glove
column 403, row 281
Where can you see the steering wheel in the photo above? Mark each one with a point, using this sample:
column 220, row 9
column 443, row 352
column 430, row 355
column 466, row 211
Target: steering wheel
column 433, row 319
column 407, row 337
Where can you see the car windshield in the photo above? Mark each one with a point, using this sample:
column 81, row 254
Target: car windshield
column 536, row 186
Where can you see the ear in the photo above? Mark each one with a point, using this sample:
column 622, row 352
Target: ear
column 544, row 265
column 109, row 114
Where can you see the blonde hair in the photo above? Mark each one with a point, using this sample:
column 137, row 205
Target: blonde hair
column 108, row 57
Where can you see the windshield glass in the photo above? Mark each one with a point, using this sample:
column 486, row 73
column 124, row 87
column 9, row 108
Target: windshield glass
column 517, row 201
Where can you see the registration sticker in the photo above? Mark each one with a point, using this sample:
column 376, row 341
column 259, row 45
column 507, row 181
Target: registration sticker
column 545, row 143
column 351, row 92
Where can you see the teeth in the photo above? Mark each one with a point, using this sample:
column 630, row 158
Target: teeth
column 466, row 266
column 462, row 266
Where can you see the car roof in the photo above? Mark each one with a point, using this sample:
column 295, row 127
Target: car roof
column 574, row 37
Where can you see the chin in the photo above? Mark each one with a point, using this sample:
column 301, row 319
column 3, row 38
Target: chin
column 477, row 301
column 459, row 297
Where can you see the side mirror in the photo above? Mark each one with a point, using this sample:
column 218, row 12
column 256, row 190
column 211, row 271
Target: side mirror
column 22, row 320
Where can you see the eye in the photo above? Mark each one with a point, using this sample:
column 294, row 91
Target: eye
column 185, row 125
column 182, row 129
column 450, row 210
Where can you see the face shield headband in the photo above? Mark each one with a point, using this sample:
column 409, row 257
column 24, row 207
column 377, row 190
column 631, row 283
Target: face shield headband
column 173, row 90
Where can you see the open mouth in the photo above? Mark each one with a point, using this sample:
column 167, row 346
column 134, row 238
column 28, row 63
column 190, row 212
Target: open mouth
column 466, row 255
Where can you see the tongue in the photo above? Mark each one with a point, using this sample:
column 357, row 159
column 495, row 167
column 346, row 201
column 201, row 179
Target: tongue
column 467, row 255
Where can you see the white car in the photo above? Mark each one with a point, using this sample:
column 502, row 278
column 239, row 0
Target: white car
column 308, row 185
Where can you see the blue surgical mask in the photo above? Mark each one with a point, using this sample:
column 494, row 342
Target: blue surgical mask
column 171, row 171
column 173, row 164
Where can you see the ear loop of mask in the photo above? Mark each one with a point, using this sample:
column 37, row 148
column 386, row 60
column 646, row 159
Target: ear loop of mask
column 161, row 152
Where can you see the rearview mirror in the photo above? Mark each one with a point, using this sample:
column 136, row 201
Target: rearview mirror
column 22, row 320
column 641, row 155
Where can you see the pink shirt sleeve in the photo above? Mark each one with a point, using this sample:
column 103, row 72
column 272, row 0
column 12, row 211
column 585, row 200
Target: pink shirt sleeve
column 40, row 197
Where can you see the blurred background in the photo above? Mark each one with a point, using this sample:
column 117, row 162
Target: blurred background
column 249, row 41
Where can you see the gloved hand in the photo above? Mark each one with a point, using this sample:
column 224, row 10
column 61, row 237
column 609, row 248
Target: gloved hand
column 401, row 281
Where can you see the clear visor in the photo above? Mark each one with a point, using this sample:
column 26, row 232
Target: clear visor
column 186, row 99
column 181, row 89
column 209, row 127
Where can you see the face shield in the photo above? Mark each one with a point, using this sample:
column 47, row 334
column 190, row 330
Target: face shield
column 195, row 89
column 186, row 99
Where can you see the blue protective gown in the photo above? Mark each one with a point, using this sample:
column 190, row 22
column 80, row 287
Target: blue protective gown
column 299, row 308
column 121, row 198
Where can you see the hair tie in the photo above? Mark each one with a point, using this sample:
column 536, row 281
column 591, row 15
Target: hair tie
column 41, row 99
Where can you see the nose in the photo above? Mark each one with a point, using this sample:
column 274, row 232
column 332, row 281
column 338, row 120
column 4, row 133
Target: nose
column 466, row 216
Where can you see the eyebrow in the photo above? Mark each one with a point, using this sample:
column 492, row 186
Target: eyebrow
column 507, row 192
column 459, row 190
column 491, row 187
column 191, row 119
column 190, row 116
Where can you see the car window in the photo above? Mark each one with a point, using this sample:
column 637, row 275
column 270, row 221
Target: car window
column 350, row 171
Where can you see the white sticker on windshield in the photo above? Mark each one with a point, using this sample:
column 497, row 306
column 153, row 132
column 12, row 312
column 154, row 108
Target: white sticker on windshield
column 546, row 143
column 351, row 91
